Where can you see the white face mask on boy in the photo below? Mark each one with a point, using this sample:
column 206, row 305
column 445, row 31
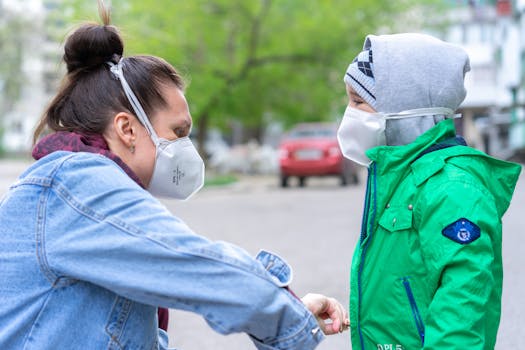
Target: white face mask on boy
column 360, row 131
column 179, row 169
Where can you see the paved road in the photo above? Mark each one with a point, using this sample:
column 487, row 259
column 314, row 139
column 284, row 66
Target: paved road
column 315, row 229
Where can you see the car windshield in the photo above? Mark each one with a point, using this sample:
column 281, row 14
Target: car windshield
column 311, row 133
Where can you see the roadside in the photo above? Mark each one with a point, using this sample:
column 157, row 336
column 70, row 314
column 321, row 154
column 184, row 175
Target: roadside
column 10, row 169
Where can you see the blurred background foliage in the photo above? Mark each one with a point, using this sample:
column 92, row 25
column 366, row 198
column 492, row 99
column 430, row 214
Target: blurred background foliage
column 13, row 32
column 254, row 61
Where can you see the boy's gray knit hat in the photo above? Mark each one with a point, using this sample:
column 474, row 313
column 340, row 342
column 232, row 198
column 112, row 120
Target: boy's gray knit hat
column 406, row 71
column 360, row 75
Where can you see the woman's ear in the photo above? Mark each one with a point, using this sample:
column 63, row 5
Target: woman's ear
column 124, row 125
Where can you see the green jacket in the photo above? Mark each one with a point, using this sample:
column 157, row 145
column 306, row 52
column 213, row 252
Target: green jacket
column 427, row 270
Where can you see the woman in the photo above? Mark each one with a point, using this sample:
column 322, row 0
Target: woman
column 87, row 254
column 427, row 270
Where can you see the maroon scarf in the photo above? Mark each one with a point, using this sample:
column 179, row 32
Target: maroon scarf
column 73, row 142
column 92, row 143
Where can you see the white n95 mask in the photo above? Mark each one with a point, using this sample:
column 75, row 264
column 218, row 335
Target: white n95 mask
column 360, row 131
column 179, row 169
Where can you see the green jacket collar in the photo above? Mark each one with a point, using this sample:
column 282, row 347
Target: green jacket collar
column 394, row 163
column 397, row 159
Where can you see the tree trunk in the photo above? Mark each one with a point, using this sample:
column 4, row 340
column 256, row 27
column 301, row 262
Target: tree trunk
column 202, row 128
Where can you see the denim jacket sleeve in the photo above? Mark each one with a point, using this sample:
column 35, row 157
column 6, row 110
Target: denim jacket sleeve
column 102, row 228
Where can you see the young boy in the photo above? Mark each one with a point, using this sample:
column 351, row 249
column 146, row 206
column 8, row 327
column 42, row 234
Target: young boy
column 427, row 270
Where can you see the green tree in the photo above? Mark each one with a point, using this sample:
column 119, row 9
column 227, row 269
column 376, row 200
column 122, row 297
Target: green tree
column 13, row 33
column 249, row 59
column 11, row 38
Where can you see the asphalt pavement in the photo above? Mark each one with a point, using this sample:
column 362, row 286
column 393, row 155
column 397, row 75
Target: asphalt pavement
column 314, row 229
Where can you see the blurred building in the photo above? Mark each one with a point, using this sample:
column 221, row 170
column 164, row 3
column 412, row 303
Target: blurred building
column 37, row 52
column 492, row 31
column 493, row 34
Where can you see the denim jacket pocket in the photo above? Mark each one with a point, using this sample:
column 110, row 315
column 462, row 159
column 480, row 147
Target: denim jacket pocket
column 116, row 322
column 280, row 272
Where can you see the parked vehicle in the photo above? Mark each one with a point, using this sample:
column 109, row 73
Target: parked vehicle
column 311, row 149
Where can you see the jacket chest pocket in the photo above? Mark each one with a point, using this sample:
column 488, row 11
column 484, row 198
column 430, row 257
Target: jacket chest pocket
column 397, row 218
column 398, row 242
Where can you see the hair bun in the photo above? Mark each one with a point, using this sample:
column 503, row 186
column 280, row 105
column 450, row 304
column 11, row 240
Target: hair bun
column 92, row 45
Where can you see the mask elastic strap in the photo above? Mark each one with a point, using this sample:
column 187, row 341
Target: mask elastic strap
column 116, row 69
column 421, row 112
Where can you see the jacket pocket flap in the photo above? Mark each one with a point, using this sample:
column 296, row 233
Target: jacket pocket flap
column 280, row 272
column 396, row 219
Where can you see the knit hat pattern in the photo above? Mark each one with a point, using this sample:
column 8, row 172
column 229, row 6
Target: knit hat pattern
column 409, row 71
column 360, row 75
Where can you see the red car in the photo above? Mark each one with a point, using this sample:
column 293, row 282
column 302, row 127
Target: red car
column 311, row 149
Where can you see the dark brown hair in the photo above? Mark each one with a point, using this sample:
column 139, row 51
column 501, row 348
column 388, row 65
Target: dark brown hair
column 90, row 95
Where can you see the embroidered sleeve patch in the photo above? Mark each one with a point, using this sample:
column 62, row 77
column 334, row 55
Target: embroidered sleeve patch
column 462, row 231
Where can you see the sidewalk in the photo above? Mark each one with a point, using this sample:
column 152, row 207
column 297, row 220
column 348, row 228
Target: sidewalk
column 9, row 171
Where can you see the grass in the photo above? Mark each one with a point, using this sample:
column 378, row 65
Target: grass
column 219, row 180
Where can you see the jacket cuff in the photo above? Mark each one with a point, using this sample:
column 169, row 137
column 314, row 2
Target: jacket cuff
column 163, row 340
column 307, row 338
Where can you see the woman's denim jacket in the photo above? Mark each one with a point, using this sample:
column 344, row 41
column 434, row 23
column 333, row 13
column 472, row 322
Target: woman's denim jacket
column 86, row 255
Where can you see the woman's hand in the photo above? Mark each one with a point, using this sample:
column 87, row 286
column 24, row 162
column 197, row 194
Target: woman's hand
column 327, row 309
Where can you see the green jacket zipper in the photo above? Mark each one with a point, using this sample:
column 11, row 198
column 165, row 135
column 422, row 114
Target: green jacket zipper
column 415, row 311
column 372, row 182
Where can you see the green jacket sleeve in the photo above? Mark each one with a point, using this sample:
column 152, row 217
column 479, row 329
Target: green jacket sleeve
column 465, row 308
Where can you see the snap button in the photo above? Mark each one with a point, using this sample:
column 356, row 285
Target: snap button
column 388, row 205
column 410, row 207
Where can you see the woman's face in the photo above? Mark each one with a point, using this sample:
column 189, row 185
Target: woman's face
column 170, row 123
column 355, row 101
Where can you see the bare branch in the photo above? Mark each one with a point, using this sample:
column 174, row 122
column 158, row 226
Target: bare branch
column 256, row 28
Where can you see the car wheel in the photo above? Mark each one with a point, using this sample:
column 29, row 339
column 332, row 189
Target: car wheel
column 344, row 181
column 349, row 179
column 284, row 181
column 301, row 181
column 355, row 179
column 349, row 175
